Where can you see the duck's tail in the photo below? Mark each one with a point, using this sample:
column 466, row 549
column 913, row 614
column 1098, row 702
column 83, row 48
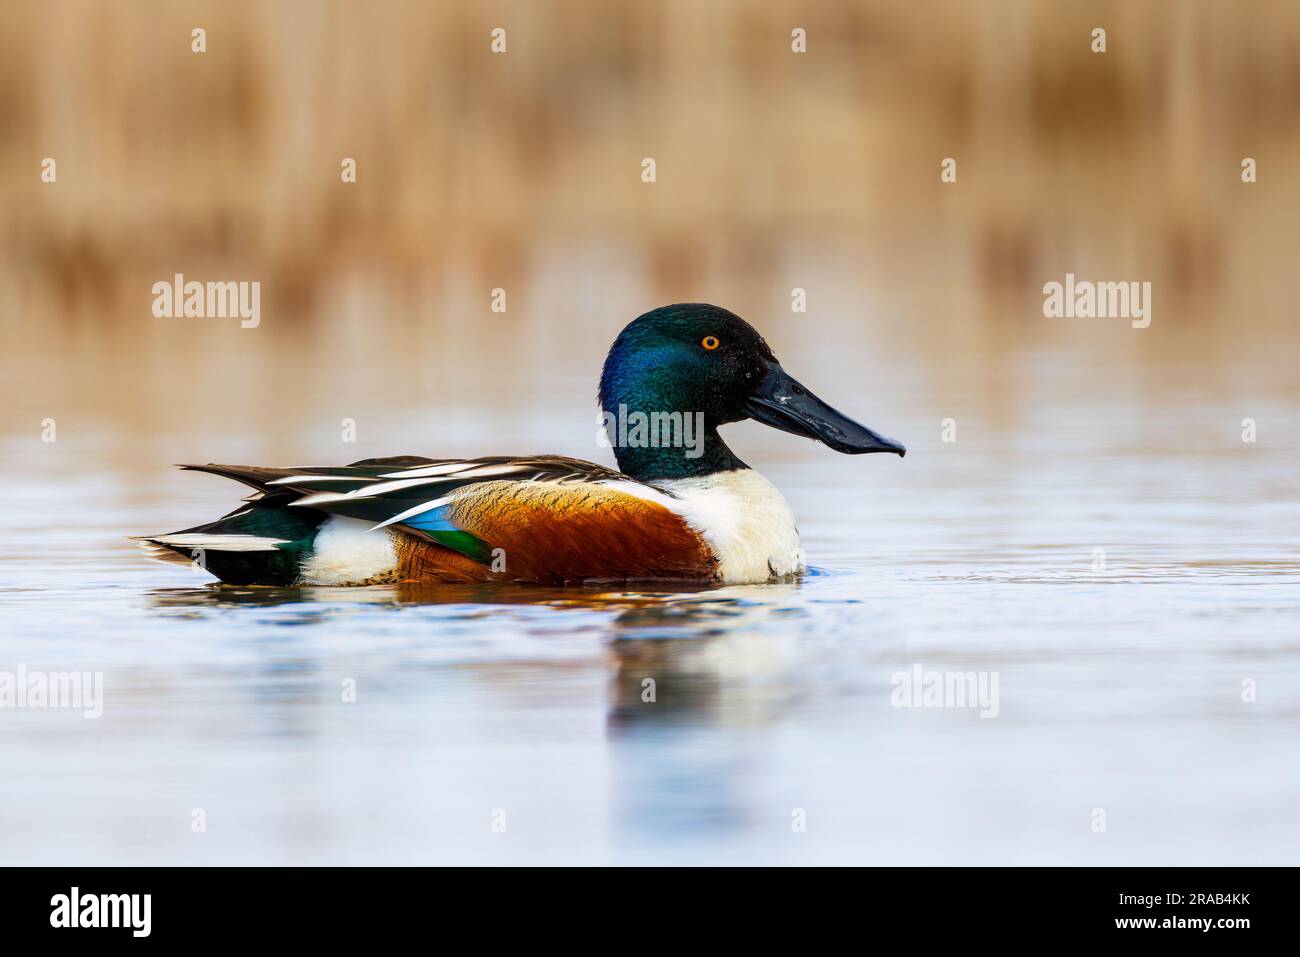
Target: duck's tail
column 255, row 544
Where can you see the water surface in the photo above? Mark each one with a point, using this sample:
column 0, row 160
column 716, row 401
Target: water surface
column 1120, row 677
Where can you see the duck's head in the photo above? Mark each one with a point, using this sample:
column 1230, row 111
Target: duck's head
column 708, row 363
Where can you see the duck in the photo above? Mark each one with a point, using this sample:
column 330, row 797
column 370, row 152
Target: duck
column 681, row 506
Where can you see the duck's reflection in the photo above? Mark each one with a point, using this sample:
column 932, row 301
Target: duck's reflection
column 670, row 650
column 689, row 671
column 688, row 659
column 679, row 653
column 410, row 593
column 691, row 683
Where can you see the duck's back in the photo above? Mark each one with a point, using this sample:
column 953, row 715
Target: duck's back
column 541, row 519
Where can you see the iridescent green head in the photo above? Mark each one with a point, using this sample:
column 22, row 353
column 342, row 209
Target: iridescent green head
column 675, row 374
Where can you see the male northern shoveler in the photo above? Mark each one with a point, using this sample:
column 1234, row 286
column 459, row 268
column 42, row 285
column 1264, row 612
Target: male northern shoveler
column 683, row 507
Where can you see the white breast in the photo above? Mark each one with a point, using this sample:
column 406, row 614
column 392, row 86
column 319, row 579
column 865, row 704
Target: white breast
column 347, row 552
column 746, row 522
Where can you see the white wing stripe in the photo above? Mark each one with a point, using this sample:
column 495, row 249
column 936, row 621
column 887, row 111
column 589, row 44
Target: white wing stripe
column 429, row 471
column 371, row 491
column 296, row 479
column 221, row 543
column 403, row 516
column 460, row 470
column 368, row 491
column 485, row 471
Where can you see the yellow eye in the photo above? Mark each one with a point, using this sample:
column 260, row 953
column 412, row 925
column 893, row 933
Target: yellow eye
column 710, row 342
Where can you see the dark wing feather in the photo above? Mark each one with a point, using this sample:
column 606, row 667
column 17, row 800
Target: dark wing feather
column 394, row 491
column 405, row 490
column 549, row 468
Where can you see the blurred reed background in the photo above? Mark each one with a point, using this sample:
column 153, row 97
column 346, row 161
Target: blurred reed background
column 522, row 171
